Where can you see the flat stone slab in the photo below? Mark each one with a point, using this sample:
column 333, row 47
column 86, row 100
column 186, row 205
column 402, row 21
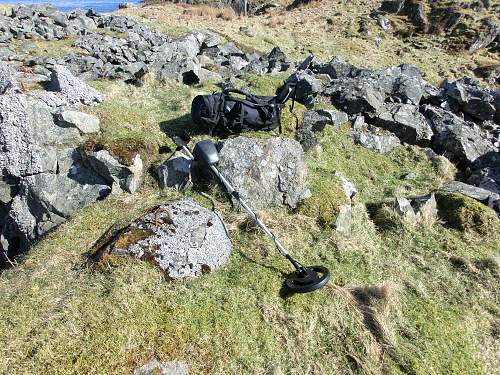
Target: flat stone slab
column 182, row 238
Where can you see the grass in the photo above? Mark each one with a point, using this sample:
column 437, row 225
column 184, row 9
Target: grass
column 61, row 316
column 403, row 299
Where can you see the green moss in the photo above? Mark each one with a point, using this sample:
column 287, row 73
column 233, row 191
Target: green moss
column 465, row 214
column 323, row 205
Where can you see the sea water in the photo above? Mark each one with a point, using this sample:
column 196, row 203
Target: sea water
column 98, row 5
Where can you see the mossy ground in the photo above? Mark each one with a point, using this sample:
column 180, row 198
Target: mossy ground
column 439, row 312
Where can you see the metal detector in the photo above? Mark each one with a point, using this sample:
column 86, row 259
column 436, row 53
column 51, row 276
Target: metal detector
column 303, row 279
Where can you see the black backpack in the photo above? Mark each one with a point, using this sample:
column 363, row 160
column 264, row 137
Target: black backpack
column 223, row 114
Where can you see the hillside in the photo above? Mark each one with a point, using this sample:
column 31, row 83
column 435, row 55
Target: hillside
column 401, row 162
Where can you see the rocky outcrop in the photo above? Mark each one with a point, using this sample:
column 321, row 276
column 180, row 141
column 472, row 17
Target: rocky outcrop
column 266, row 173
column 133, row 54
column 43, row 178
column 85, row 123
column 122, row 176
column 175, row 173
column 74, row 90
column 404, row 120
column 182, row 238
column 460, row 120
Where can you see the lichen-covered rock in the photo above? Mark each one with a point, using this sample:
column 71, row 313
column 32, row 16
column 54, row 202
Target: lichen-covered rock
column 462, row 141
column 128, row 177
column 74, row 89
column 85, row 123
column 29, row 138
column 175, row 173
column 182, row 238
column 377, row 140
column 267, row 173
column 8, row 80
column 405, row 121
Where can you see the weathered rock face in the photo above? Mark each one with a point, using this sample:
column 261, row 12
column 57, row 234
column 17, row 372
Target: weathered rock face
column 405, row 121
column 126, row 177
column 43, row 181
column 376, row 139
column 182, row 238
column 8, row 81
column 73, row 89
column 266, row 173
column 462, row 141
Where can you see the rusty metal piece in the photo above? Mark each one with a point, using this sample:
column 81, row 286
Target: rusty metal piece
column 169, row 220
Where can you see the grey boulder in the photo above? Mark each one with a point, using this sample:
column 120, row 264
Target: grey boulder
column 343, row 221
column 155, row 367
column 175, row 173
column 356, row 95
column 405, row 121
column 73, row 89
column 31, row 142
column 460, row 140
column 46, row 200
column 376, row 139
column 307, row 86
column 471, row 98
column 267, row 173
column 127, row 177
column 486, row 196
column 8, row 80
column 85, row 123
column 316, row 120
column 182, row 238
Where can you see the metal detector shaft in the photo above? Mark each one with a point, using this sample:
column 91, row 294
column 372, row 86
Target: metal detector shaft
column 247, row 208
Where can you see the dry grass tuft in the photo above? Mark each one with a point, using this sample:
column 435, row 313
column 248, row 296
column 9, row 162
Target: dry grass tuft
column 275, row 22
column 374, row 303
column 206, row 11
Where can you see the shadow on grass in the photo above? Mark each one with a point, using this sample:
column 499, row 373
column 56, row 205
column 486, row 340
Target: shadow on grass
column 181, row 125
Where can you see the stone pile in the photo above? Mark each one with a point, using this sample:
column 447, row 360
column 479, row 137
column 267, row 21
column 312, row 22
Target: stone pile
column 118, row 47
column 460, row 119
